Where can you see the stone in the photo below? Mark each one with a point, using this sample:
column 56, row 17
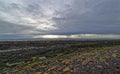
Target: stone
column 86, row 61
column 99, row 66
column 42, row 66
column 38, row 73
column 114, row 55
column 52, row 68
column 66, row 62
column 67, row 69
column 45, row 73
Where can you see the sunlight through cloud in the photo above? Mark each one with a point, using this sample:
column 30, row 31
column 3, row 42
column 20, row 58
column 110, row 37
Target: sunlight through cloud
column 88, row 36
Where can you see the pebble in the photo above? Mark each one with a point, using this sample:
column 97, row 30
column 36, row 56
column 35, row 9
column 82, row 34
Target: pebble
column 67, row 69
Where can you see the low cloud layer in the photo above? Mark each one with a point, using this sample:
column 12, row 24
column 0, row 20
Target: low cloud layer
column 80, row 36
column 59, row 17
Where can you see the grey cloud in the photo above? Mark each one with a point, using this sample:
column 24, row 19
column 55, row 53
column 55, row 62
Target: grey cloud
column 10, row 28
column 28, row 13
column 60, row 16
column 91, row 17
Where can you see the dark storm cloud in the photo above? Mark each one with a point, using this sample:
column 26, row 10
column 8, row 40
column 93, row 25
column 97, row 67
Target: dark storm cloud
column 92, row 17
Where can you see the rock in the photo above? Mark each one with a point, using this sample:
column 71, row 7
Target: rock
column 114, row 55
column 42, row 66
column 117, row 69
column 86, row 61
column 106, row 57
column 59, row 69
column 99, row 66
column 66, row 62
column 67, row 69
column 42, row 58
column 52, row 68
column 45, row 73
column 27, row 68
column 38, row 73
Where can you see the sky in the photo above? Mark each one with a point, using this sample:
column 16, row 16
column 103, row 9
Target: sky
column 38, row 18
